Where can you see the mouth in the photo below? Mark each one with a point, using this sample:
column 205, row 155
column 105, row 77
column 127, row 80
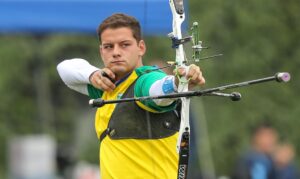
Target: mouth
column 117, row 61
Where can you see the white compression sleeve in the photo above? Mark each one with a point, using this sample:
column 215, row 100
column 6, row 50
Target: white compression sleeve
column 75, row 74
column 162, row 87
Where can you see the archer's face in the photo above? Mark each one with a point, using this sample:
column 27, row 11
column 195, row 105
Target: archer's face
column 120, row 51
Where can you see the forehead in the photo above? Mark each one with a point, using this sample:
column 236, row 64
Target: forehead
column 266, row 132
column 113, row 35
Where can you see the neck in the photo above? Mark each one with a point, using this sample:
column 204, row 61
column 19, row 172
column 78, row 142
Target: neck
column 121, row 75
column 120, row 80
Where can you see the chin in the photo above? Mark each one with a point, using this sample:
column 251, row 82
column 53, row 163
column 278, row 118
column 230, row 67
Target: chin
column 118, row 70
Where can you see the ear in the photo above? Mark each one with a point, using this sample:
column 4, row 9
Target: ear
column 142, row 47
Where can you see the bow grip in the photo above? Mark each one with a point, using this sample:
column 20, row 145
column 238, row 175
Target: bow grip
column 183, row 80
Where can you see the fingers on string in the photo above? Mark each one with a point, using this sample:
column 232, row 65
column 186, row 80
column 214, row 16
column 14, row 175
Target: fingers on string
column 105, row 72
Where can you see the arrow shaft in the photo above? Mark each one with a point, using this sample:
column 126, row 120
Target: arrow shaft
column 100, row 103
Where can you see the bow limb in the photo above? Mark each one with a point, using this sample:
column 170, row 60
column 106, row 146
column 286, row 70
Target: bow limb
column 177, row 9
column 178, row 18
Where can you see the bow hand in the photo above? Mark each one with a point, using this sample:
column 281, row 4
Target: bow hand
column 193, row 76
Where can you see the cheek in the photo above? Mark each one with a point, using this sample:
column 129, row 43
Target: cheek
column 137, row 53
column 104, row 60
column 105, row 56
column 133, row 58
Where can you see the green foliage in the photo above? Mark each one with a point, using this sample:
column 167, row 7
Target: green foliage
column 34, row 100
column 258, row 38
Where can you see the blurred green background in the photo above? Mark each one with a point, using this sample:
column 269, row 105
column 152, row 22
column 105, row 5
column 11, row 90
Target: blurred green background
column 258, row 38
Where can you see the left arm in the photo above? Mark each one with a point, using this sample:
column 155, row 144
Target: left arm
column 163, row 86
column 158, row 83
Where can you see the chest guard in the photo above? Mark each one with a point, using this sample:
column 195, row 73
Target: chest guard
column 129, row 121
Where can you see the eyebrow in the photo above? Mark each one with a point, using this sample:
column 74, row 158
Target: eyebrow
column 124, row 41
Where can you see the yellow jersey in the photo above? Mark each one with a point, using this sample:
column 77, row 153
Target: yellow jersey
column 134, row 158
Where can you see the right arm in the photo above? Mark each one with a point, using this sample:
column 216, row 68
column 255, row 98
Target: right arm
column 76, row 73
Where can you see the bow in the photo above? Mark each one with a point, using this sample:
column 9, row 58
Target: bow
column 183, row 140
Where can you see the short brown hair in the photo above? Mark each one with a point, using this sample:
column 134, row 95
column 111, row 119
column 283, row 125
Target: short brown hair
column 121, row 20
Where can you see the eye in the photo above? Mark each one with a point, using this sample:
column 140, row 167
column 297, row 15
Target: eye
column 107, row 46
column 124, row 45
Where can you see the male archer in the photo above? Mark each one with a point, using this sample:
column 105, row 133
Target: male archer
column 138, row 139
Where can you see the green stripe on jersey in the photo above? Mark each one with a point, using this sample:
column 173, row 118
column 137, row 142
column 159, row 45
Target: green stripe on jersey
column 144, row 83
column 94, row 93
column 142, row 86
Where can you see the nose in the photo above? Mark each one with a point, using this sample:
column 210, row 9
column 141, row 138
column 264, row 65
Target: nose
column 116, row 51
